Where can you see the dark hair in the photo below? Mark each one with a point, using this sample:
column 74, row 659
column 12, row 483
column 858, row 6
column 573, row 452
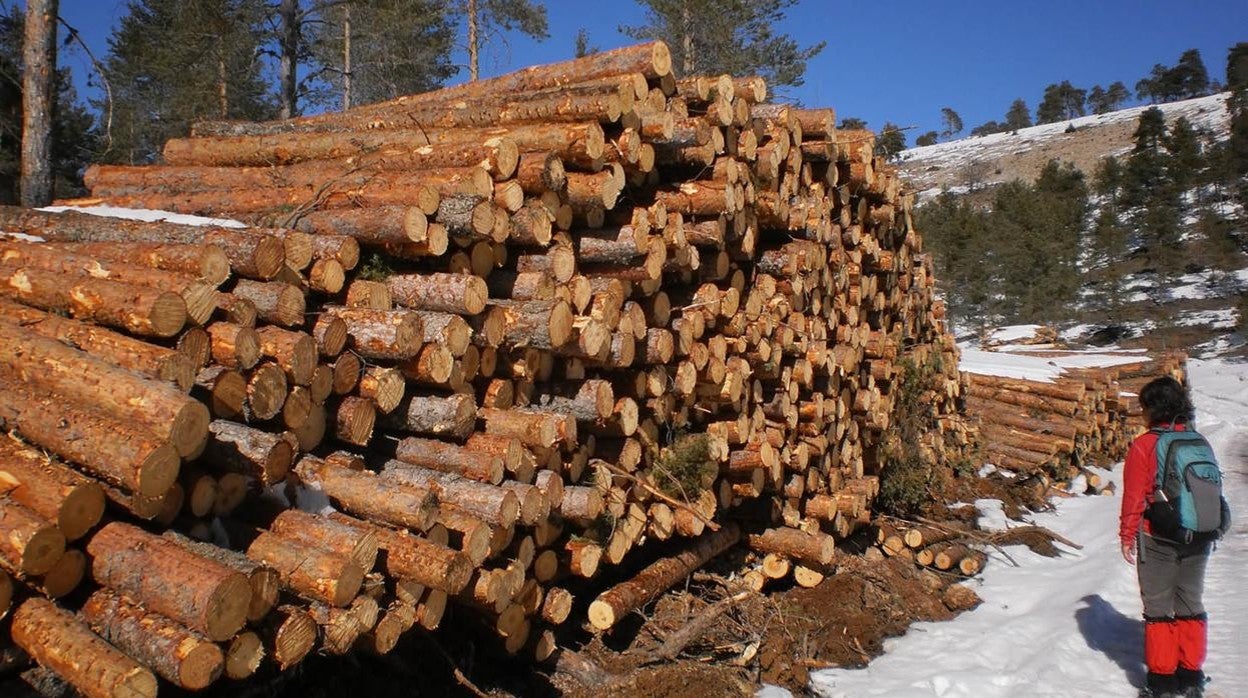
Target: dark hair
column 1165, row 400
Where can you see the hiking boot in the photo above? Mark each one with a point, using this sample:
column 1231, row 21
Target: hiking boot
column 1190, row 683
column 1162, row 686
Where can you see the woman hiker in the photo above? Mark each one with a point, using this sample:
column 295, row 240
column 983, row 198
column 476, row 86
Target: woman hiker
column 1171, row 572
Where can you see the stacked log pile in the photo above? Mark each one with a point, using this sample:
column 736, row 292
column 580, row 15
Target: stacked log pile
column 1079, row 417
column 585, row 315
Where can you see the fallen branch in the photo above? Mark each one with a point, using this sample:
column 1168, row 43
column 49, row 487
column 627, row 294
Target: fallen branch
column 676, row 642
column 617, row 470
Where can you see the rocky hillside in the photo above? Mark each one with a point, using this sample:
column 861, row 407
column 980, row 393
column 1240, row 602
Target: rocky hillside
column 1126, row 301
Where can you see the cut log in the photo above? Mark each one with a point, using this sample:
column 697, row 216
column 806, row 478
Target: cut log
column 463, row 294
column 357, row 544
column 29, row 545
column 450, row 458
column 180, row 655
column 367, row 496
column 49, row 489
column 618, row 601
column 107, row 448
column 816, row 549
column 117, row 349
column 223, row 390
column 412, row 557
column 314, row 574
column 381, row 334
column 289, row 635
column 74, row 375
column 266, row 390
column 140, row 310
column 166, row 578
column 241, row 449
column 264, row 580
column 295, row 352
column 67, row 646
column 354, row 420
column 275, row 302
column 252, row 254
column 234, row 346
column 454, row 416
column 487, row 502
column 208, row 263
column 243, row 655
column 384, row 386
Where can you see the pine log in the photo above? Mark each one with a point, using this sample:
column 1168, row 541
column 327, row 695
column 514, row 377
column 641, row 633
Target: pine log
column 243, row 655
column 223, row 390
column 208, row 263
column 453, row 416
column 289, row 635
column 266, row 390
column 815, row 549
column 264, row 580
column 487, row 502
column 412, row 557
column 533, row 427
column 49, row 489
column 381, row 334
column 180, row 655
column 137, row 309
column 354, row 420
column 450, row 458
column 106, row 447
column 618, row 601
column 59, row 641
column 200, row 593
column 241, row 449
column 234, row 346
column 369, row 497
column 252, row 254
column 29, row 544
column 463, row 294
column 314, row 574
column 276, row 302
column 119, row 350
column 358, row 545
column 74, row 375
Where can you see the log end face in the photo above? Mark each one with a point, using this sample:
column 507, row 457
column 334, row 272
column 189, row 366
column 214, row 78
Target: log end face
column 227, row 608
column 81, row 511
column 601, row 615
column 168, row 315
column 189, row 433
column 201, row 666
column 348, row 584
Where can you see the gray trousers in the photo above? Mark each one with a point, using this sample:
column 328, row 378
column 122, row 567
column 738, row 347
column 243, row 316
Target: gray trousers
column 1172, row 578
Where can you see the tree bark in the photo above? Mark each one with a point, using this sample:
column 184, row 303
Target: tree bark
column 200, row 593
column 367, row 496
column 313, row 573
column 50, row 489
column 59, row 641
column 38, row 98
column 180, row 655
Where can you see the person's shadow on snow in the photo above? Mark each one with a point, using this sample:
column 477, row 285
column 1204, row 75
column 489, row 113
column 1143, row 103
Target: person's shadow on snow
column 1116, row 636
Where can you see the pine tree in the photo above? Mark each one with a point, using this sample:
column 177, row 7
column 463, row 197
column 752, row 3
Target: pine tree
column 38, row 99
column 74, row 139
column 488, row 19
column 1116, row 95
column 381, row 49
column 852, row 122
column 951, row 121
column 730, row 36
column 891, row 141
column 1018, row 116
column 582, row 47
column 1190, row 75
column 174, row 62
column 928, row 138
column 958, row 234
column 1061, row 101
column 1235, row 151
column 1098, row 101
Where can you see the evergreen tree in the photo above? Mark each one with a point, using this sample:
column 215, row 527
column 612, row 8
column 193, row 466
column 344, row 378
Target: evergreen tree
column 174, row 62
column 381, row 49
column 891, row 141
column 485, row 19
column 989, row 128
column 729, row 36
column 1116, row 96
column 1187, row 160
column 1237, row 67
column 1098, row 100
column 852, row 122
column 958, row 234
column 582, row 47
column 1061, row 101
column 74, row 139
column 928, row 138
column 1018, row 116
column 1190, row 75
column 951, row 121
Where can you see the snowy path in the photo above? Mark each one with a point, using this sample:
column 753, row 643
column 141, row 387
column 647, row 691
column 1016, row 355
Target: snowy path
column 1070, row 626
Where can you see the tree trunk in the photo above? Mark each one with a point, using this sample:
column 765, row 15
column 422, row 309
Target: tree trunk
column 487, row 502
column 166, row 578
column 418, row 559
column 346, row 57
column 139, row 310
column 450, row 458
column 152, row 361
column 38, row 101
column 368, row 496
column 310, row 572
column 50, row 489
column 358, row 545
column 288, row 59
column 180, row 655
column 613, row 604
column 59, row 641
column 474, row 43
column 209, row 263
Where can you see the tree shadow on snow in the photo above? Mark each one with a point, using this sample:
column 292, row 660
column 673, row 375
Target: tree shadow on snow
column 1118, row 637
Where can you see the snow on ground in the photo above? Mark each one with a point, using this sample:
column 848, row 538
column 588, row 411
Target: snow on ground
column 1204, row 113
column 1046, row 367
column 143, row 214
column 1070, row 626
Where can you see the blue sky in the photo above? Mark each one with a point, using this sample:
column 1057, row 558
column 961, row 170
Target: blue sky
column 901, row 60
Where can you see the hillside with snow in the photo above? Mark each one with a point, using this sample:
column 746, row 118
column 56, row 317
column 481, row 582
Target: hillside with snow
column 1001, row 157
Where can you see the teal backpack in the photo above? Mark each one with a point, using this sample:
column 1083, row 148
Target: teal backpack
column 1187, row 502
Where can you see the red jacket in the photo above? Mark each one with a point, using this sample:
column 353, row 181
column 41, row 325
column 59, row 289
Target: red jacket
column 1139, row 479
